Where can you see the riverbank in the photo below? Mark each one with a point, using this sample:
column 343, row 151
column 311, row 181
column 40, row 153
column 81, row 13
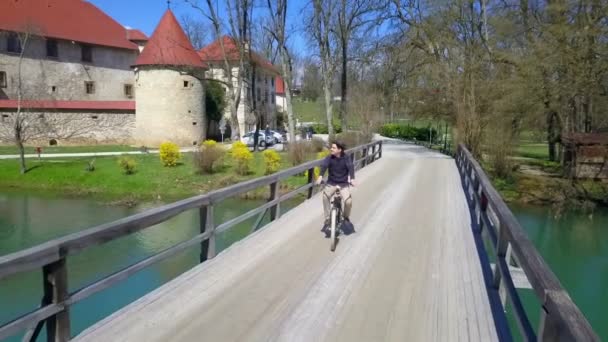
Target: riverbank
column 150, row 182
column 538, row 181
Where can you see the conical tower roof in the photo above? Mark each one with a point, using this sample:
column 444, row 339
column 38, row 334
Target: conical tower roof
column 169, row 45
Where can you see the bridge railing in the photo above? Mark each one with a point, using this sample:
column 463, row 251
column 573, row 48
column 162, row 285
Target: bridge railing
column 54, row 310
column 560, row 318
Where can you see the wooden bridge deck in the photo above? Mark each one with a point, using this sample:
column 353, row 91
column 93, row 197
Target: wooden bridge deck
column 410, row 272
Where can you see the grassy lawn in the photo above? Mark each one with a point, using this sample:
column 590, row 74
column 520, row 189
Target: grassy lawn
column 12, row 149
column 307, row 111
column 151, row 181
column 532, row 150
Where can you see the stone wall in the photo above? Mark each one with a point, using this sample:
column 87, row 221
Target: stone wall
column 72, row 127
column 64, row 77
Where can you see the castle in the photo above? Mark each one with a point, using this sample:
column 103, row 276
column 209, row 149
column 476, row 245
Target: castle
column 88, row 74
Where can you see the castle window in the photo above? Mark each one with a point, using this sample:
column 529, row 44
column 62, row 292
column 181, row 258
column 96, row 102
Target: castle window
column 186, row 84
column 52, row 49
column 94, row 117
column 194, row 123
column 129, row 90
column 53, row 89
column 13, row 43
column 86, row 52
column 89, row 87
column 3, row 79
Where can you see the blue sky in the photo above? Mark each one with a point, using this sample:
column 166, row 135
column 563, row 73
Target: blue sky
column 145, row 14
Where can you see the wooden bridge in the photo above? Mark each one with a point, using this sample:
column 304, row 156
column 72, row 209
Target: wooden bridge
column 435, row 256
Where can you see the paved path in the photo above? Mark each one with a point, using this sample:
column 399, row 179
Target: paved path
column 409, row 273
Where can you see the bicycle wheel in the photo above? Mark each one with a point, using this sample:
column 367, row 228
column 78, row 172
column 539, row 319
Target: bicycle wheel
column 334, row 219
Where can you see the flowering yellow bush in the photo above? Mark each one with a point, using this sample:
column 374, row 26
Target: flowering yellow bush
column 272, row 160
column 209, row 143
column 242, row 158
column 169, row 153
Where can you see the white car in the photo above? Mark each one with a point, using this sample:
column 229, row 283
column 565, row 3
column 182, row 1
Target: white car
column 247, row 139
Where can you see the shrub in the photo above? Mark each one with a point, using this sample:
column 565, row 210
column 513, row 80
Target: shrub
column 299, row 152
column 319, row 128
column 272, row 160
column 127, row 164
column 208, row 156
column 353, row 139
column 317, row 145
column 407, row 132
column 242, row 158
column 90, row 166
column 169, row 153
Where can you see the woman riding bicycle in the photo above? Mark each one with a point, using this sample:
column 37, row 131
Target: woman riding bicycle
column 341, row 173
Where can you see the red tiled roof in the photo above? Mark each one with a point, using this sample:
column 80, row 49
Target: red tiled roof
column 136, row 35
column 279, row 86
column 213, row 53
column 70, row 105
column 169, row 45
column 75, row 20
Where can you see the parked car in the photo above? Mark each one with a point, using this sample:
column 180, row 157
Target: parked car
column 278, row 137
column 263, row 141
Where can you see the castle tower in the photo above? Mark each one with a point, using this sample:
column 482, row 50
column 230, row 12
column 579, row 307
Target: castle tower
column 168, row 83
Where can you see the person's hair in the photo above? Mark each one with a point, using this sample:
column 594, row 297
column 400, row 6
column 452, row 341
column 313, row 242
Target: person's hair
column 339, row 145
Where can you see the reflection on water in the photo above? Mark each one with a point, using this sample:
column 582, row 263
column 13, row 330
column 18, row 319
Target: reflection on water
column 28, row 220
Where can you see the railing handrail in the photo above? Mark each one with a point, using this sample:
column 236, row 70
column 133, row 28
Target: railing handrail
column 560, row 315
column 51, row 255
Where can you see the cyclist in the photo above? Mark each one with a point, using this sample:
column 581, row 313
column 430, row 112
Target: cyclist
column 341, row 172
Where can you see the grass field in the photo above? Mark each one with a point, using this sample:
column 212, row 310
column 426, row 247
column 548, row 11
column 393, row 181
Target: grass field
column 151, row 180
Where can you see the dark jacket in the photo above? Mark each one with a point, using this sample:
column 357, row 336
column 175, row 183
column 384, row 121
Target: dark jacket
column 339, row 169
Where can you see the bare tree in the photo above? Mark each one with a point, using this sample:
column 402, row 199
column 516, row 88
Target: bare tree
column 278, row 17
column 196, row 31
column 239, row 24
column 354, row 16
column 321, row 29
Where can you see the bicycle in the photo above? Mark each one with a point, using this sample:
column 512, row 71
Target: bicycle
column 337, row 218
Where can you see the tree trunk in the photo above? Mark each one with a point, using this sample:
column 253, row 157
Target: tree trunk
column 343, row 84
column 552, row 135
column 22, row 167
column 287, row 86
column 328, row 105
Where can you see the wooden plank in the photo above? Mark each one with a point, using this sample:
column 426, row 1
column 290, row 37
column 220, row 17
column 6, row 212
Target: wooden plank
column 534, row 266
column 274, row 194
column 29, row 259
column 130, row 270
column 539, row 275
column 28, row 320
column 563, row 321
column 55, row 277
